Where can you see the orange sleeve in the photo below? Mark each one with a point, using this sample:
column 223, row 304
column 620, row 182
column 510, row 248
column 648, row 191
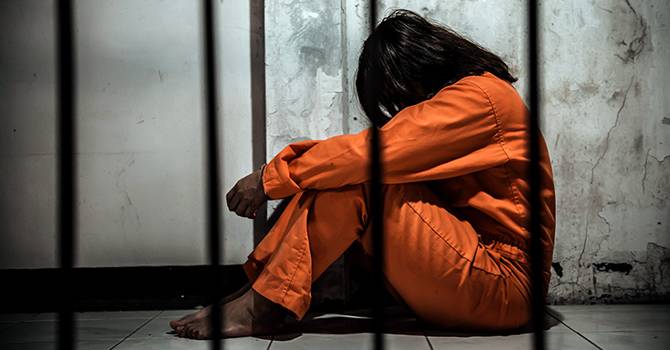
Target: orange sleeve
column 454, row 133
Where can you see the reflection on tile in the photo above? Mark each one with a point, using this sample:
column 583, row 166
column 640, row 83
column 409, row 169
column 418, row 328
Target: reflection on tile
column 115, row 315
column 5, row 325
column 29, row 332
column 558, row 337
column 175, row 343
column 105, row 315
column 17, row 317
column 86, row 345
column 107, row 329
column 611, row 318
column 351, row 341
column 158, row 327
column 156, row 335
column 630, row 340
column 45, row 331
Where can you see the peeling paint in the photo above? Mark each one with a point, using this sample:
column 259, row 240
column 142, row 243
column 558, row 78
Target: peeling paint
column 636, row 45
column 558, row 269
column 613, row 267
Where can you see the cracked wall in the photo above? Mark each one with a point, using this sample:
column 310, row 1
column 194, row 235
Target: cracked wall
column 610, row 148
column 606, row 117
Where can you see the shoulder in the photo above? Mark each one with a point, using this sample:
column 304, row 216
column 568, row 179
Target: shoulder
column 487, row 85
column 485, row 90
column 500, row 94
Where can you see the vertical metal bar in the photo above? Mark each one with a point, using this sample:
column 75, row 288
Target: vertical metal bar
column 67, row 187
column 376, row 213
column 212, row 172
column 536, row 253
column 257, row 53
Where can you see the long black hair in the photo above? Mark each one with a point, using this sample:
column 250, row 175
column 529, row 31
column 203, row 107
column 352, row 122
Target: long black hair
column 407, row 59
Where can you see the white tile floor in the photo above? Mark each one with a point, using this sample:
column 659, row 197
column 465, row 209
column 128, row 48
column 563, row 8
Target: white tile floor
column 582, row 327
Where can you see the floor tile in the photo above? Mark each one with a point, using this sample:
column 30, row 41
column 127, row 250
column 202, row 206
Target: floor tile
column 104, row 315
column 115, row 315
column 157, row 335
column 612, row 318
column 608, row 326
column 86, row 345
column 17, row 317
column 158, row 327
column 5, row 325
column 87, row 330
column 558, row 337
column 351, row 341
column 175, row 343
column 630, row 340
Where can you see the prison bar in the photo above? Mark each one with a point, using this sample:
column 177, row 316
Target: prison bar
column 536, row 253
column 258, row 106
column 212, row 171
column 66, row 168
column 376, row 213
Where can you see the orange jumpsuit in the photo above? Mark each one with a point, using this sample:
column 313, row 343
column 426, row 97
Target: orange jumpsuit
column 455, row 209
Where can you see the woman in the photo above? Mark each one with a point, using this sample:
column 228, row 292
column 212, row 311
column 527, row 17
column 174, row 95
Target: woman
column 454, row 147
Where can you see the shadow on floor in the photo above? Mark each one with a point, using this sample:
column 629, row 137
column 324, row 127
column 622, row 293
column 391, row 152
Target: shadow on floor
column 399, row 321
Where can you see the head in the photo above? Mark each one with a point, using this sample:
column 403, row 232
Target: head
column 408, row 59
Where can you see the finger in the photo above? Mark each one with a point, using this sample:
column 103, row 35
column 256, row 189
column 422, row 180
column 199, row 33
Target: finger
column 235, row 202
column 241, row 209
column 231, row 194
column 249, row 212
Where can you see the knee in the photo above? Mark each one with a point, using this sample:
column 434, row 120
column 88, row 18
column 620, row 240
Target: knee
column 345, row 194
column 343, row 201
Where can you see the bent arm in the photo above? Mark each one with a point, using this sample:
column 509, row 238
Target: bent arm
column 454, row 133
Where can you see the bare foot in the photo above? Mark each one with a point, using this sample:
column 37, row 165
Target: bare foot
column 177, row 325
column 250, row 314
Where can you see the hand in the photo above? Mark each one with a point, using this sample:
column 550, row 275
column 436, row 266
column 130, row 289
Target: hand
column 247, row 195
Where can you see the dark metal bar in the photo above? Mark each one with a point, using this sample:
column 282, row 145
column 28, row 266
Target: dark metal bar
column 212, row 172
column 67, row 187
column 536, row 253
column 376, row 214
column 257, row 41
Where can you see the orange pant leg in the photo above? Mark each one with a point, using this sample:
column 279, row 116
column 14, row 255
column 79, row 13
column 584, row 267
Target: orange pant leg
column 433, row 260
column 313, row 231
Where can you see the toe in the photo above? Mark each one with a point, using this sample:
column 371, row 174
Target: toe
column 180, row 322
column 190, row 332
column 174, row 324
column 183, row 331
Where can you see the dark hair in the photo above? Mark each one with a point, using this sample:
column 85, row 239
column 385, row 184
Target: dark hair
column 407, row 59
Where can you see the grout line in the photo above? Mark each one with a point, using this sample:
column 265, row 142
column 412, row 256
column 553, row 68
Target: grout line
column 270, row 343
column 423, row 331
column 430, row 345
column 575, row 331
column 136, row 330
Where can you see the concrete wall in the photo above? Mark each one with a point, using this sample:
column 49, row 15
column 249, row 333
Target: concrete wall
column 606, row 71
column 140, row 131
column 606, row 121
